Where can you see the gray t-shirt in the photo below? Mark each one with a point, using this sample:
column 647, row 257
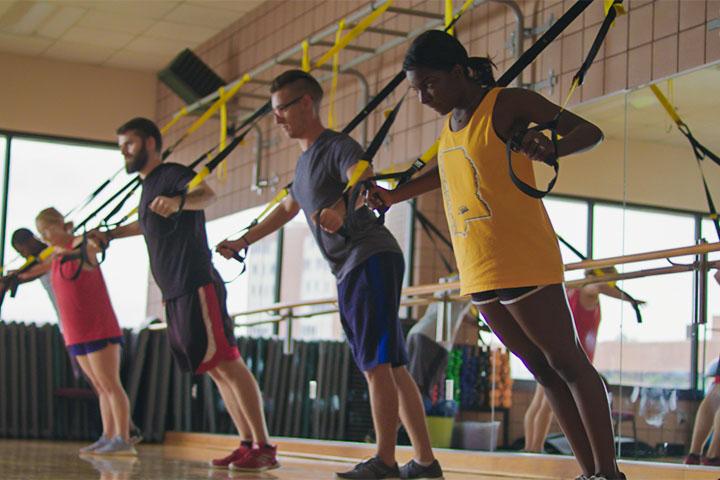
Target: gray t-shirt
column 320, row 177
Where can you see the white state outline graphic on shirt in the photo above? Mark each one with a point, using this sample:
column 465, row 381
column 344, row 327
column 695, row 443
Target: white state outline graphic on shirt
column 446, row 193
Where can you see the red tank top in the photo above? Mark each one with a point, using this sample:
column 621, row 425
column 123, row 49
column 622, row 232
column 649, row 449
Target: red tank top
column 587, row 322
column 86, row 313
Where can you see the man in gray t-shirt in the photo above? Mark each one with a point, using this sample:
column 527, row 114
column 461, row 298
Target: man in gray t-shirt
column 369, row 268
column 320, row 177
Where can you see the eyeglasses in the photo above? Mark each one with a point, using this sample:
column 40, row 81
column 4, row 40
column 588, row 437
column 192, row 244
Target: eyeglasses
column 283, row 107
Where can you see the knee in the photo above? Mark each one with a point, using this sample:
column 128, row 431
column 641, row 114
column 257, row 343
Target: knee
column 379, row 373
column 109, row 385
column 538, row 365
column 569, row 364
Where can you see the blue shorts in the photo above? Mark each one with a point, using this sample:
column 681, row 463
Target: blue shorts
column 94, row 346
column 369, row 300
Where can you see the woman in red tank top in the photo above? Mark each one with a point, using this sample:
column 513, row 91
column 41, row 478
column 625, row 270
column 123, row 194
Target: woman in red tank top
column 585, row 307
column 90, row 330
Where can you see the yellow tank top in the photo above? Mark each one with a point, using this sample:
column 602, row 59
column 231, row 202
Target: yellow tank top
column 502, row 238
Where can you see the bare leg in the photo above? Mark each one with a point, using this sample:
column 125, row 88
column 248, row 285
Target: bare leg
column 105, row 366
column 505, row 326
column 543, row 419
column 106, row 415
column 412, row 414
column 714, row 448
column 384, row 405
column 546, row 320
column 232, row 403
column 529, row 420
column 704, row 419
column 243, row 386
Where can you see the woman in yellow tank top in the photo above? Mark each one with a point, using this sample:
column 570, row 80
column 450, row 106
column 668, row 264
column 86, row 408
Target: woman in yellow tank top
column 504, row 243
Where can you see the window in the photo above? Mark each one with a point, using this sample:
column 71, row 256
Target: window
column 65, row 174
column 569, row 219
column 709, row 333
column 307, row 276
column 657, row 351
column 257, row 286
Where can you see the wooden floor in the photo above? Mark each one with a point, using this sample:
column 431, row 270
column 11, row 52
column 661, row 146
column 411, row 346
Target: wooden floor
column 185, row 456
column 34, row 460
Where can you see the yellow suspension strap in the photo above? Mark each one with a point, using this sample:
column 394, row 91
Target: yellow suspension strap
column 352, row 34
column 612, row 9
column 449, row 17
column 599, row 273
column 305, row 62
column 700, row 151
column 222, row 100
column 11, row 282
column 180, row 114
column 222, row 168
column 335, row 72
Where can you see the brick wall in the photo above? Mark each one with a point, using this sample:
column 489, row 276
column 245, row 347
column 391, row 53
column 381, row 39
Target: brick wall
column 656, row 39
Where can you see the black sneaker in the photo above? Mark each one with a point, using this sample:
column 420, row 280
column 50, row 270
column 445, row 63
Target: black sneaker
column 414, row 470
column 373, row 469
column 604, row 477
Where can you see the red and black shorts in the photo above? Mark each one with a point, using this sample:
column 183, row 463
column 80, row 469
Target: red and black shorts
column 200, row 330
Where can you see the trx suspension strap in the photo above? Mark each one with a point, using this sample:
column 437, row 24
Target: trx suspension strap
column 353, row 187
column 241, row 255
column 395, row 81
column 612, row 9
column 94, row 194
column 599, row 273
column 12, row 281
column 701, row 152
column 515, row 69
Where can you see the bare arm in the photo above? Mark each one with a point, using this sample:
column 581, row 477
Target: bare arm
column 281, row 215
column 36, row 271
column 332, row 218
column 199, row 198
column 518, row 108
column 379, row 197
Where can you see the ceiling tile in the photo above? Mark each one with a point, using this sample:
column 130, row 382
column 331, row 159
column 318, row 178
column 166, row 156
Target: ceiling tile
column 24, row 18
column 234, row 5
column 79, row 52
column 116, row 22
column 157, row 46
column 137, row 61
column 61, row 21
column 23, row 44
column 192, row 33
column 202, row 15
column 93, row 36
column 155, row 9
column 5, row 6
column 138, row 34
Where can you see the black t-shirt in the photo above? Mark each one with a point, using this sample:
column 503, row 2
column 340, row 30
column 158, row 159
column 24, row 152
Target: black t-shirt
column 180, row 259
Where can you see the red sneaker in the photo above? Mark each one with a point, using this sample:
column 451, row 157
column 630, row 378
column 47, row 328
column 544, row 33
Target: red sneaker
column 225, row 462
column 711, row 462
column 692, row 459
column 257, row 459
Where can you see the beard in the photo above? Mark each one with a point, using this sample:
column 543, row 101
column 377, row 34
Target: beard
column 138, row 161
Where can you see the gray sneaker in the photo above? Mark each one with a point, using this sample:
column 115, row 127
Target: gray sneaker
column 100, row 442
column 415, row 471
column 373, row 469
column 116, row 446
